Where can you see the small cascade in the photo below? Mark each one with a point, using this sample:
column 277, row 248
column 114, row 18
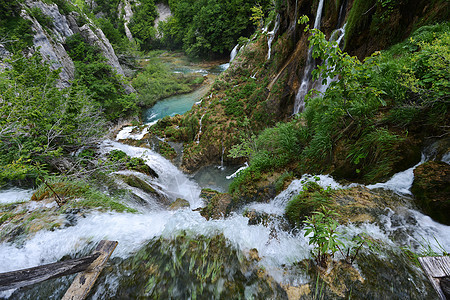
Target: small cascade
column 234, row 52
column 171, row 179
column 304, row 86
column 200, row 129
column 342, row 12
column 221, row 158
column 271, row 36
column 15, row 194
column 338, row 36
column 238, row 171
column 128, row 132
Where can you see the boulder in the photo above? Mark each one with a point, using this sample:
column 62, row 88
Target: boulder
column 179, row 203
column 217, row 207
column 431, row 188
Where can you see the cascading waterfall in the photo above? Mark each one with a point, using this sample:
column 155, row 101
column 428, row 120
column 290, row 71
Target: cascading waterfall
column 271, row 36
column 338, row 36
column 234, row 52
column 278, row 249
column 304, row 86
column 200, row 129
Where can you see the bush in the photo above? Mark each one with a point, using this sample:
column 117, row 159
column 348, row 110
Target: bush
column 99, row 79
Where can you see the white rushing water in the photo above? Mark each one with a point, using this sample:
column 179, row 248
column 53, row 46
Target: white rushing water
column 174, row 182
column 278, row 249
column 271, row 36
column 14, row 194
column 299, row 104
column 129, row 132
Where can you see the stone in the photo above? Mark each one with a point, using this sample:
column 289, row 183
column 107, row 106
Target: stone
column 431, row 188
column 178, row 204
column 217, row 207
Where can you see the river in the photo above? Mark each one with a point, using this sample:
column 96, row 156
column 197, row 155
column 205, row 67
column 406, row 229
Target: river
column 179, row 254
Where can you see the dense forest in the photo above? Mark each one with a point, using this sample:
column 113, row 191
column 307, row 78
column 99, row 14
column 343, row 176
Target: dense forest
column 234, row 148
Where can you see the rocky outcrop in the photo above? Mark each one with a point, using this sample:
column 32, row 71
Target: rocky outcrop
column 125, row 7
column 50, row 40
column 179, row 204
column 431, row 187
column 163, row 14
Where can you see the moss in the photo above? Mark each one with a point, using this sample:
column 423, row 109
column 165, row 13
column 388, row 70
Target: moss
column 359, row 17
column 312, row 198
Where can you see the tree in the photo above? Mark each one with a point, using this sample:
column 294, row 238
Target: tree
column 40, row 122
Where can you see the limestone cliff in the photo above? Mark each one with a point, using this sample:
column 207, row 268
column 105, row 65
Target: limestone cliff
column 49, row 38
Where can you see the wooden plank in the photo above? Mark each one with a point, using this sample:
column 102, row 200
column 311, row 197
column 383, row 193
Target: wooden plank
column 83, row 282
column 436, row 268
column 21, row 278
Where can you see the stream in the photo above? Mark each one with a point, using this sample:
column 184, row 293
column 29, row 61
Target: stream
column 179, row 254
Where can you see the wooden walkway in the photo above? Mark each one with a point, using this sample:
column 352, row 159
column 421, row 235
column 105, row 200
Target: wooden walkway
column 436, row 269
column 90, row 266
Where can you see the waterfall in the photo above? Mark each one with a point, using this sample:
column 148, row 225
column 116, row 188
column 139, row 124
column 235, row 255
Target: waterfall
column 304, row 86
column 234, row 52
column 200, row 129
column 221, row 158
column 271, row 36
column 338, row 36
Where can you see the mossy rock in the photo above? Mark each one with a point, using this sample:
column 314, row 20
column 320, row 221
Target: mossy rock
column 179, row 203
column 208, row 194
column 134, row 181
column 311, row 199
column 431, row 187
column 217, row 207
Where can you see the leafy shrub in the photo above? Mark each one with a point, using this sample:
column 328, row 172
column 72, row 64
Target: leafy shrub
column 208, row 27
column 41, row 122
column 100, row 80
column 157, row 82
column 43, row 19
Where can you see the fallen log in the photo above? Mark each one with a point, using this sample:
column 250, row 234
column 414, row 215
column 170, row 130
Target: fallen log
column 83, row 282
column 21, row 278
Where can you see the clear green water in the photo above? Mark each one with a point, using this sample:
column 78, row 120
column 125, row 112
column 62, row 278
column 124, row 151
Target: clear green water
column 174, row 105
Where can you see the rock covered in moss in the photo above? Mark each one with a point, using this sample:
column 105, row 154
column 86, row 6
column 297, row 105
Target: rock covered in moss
column 431, row 187
column 179, row 203
column 217, row 207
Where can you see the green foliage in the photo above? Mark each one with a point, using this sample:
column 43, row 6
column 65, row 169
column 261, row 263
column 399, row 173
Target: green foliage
column 15, row 32
column 311, row 199
column 78, row 193
column 257, row 15
column 157, row 81
column 375, row 152
column 115, row 34
column 122, row 160
column 208, row 26
column 100, row 80
column 362, row 123
column 9, row 8
column 40, row 122
column 43, row 19
column 323, row 228
column 142, row 23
